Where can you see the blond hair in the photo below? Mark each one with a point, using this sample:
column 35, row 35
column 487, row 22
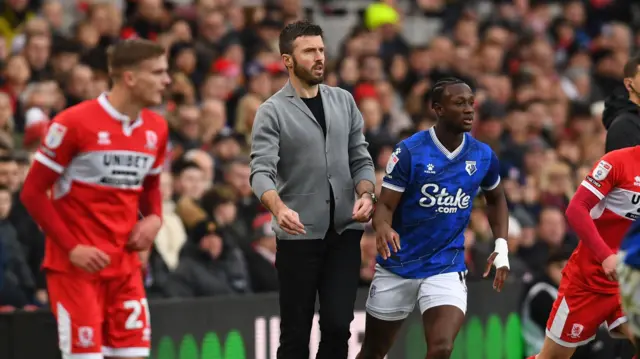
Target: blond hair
column 244, row 106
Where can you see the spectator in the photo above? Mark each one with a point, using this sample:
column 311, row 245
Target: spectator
column 236, row 175
column 18, row 282
column 188, row 180
column 209, row 266
column 551, row 237
column 622, row 114
column 539, row 295
column 261, row 256
column 220, row 204
column 172, row 235
column 227, row 145
column 205, row 162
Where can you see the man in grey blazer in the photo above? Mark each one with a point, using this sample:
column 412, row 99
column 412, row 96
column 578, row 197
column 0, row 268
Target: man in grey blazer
column 310, row 167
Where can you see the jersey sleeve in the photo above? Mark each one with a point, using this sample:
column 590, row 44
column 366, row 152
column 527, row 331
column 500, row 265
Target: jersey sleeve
column 491, row 179
column 604, row 175
column 60, row 145
column 158, row 165
column 398, row 169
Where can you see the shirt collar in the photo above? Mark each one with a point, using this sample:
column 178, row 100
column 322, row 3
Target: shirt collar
column 115, row 114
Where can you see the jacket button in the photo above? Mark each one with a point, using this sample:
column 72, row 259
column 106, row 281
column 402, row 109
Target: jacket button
column 328, row 176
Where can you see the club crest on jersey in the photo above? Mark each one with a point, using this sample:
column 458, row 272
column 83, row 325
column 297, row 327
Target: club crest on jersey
column 601, row 171
column 55, row 135
column 471, row 167
column 152, row 140
column 393, row 160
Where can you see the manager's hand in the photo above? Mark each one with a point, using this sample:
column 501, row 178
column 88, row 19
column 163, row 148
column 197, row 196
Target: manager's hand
column 289, row 221
column 363, row 208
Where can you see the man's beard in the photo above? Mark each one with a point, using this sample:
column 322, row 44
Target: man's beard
column 305, row 75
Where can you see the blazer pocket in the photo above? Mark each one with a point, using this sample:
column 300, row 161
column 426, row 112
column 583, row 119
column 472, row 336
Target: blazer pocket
column 301, row 203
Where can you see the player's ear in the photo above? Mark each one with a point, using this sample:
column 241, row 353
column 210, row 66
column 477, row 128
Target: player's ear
column 437, row 108
column 628, row 84
column 128, row 77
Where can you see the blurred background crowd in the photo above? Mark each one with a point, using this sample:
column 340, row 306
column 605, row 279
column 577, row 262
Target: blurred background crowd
column 547, row 75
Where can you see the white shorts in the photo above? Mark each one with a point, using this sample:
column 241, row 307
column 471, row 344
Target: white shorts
column 392, row 297
column 629, row 279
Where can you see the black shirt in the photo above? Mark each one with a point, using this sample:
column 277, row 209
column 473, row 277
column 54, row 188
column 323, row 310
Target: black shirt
column 315, row 105
column 317, row 109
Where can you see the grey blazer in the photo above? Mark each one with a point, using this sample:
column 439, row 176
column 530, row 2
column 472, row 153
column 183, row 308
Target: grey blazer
column 289, row 154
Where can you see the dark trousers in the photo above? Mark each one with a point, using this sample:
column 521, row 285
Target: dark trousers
column 329, row 267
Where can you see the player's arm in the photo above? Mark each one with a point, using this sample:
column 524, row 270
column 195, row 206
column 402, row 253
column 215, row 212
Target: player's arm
column 591, row 191
column 57, row 150
column 151, row 197
column 497, row 210
column 50, row 161
column 498, row 216
column 395, row 181
column 150, row 204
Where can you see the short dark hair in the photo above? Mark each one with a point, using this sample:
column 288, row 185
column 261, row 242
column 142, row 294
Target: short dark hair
column 182, row 165
column 239, row 160
column 631, row 67
column 7, row 158
column 295, row 30
column 130, row 53
column 438, row 89
column 217, row 196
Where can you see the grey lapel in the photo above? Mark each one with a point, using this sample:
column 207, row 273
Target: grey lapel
column 325, row 106
column 293, row 97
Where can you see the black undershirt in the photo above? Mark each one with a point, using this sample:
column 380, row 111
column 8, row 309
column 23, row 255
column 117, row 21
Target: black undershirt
column 315, row 105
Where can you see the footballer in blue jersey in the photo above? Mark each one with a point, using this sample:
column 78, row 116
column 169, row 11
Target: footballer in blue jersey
column 424, row 208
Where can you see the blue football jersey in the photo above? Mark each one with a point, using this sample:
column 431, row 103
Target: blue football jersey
column 438, row 188
column 631, row 246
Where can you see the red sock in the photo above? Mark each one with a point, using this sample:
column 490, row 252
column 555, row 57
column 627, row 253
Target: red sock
column 534, row 357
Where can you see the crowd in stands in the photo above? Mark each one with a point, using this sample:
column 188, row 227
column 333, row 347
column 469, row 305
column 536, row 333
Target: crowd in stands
column 547, row 76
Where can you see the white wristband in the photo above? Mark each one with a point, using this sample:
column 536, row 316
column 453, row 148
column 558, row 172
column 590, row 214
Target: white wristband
column 502, row 259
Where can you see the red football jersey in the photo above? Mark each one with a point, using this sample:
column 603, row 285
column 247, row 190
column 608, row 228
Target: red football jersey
column 102, row 158
column 615, row 179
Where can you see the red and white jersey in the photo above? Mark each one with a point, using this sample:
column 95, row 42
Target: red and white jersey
column 102, row 158
column 615, row 179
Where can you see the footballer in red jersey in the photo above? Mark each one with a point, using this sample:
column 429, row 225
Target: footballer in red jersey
column 97, row 168
column 601, row 211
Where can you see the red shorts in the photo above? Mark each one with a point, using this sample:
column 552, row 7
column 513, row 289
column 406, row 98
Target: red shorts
column 100, row 317
column 577, row 314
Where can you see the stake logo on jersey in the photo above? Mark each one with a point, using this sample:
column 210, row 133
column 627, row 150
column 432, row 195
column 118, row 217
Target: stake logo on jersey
column 438, row 187
column 434, row 196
